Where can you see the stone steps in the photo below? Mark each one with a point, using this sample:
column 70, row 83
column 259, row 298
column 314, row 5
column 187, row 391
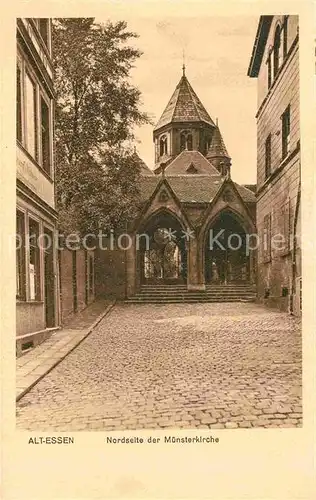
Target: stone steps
column 169, row 294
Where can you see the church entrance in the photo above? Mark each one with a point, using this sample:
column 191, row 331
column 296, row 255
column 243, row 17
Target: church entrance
column 226, row 260
column 163, row 256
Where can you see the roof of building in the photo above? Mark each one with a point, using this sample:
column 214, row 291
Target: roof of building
column 184, row 106
column 252, row 187
column 192, row 188
column 259, row 45
column 190, row 162
column 217, row 147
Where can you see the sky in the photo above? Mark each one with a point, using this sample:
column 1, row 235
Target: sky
column 217, row 54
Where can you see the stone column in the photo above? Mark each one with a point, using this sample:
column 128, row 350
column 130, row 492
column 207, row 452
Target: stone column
column 195, row 279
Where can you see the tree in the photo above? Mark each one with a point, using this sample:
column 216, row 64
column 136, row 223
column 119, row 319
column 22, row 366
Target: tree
column 96, row 110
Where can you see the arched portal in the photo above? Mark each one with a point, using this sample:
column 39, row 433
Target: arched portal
column 225, row 253
column 162, row 251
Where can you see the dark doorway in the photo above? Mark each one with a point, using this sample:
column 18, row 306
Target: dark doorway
column 226, row 260
column 49, row 277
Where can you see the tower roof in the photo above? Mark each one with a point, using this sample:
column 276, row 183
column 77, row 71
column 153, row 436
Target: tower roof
column 184, row 106
column 217, row 147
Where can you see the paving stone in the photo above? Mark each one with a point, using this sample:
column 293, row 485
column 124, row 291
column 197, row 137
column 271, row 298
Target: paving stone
column 245, row 424
column 208, row 420
column 231, row 425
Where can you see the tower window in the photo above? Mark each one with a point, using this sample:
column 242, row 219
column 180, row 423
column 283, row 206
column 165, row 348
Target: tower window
column 163, row 146
column 192, row 169
column 186, row 141
column 189, row 142
column 182, row 141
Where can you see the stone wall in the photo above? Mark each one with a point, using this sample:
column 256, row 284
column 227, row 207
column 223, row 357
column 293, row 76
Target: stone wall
column 278, row 194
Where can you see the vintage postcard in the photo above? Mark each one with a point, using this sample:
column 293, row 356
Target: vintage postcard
column 158, row 257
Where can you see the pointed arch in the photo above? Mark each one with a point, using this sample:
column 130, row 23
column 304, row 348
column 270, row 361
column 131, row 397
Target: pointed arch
column 227, row 259
column 163, row 213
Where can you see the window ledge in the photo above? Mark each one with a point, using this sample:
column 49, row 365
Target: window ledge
column 19, row 301
column 35, row 162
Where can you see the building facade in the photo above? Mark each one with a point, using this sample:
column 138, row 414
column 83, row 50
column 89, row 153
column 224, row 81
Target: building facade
column 188, row 199
column 275, row 64
column 37, row 290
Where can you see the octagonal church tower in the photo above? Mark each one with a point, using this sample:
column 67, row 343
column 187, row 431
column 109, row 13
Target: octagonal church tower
column 185, row 125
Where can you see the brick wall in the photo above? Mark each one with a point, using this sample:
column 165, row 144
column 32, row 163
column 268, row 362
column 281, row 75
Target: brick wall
column 67, row 277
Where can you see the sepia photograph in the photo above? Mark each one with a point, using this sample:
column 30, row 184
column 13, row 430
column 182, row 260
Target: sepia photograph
column 158, row 223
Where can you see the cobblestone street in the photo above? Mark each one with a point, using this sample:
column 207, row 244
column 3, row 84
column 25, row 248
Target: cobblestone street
column 177, row 366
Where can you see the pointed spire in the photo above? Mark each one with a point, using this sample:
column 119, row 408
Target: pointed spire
column 184, row 106
column 183, row 65
column 217, row 147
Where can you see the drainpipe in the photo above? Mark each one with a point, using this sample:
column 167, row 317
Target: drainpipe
column 298, row 201
column 125, row 265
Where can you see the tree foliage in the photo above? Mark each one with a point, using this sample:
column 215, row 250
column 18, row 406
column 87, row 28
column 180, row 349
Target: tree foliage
column 96, row 110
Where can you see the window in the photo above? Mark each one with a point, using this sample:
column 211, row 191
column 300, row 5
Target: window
column 20, row 256
column 43, row 29
column 192, row 169
column 45, row 136
column 34, row 262
column 285, row 226
column 19, row 102
column 285, row 37
column 266, row 241
column 286, row 125
column 31, row 116
column 268, row 156
column 163, row 146
column 186, row 141
column 276, row 51
column 42, row 25
column 269, row 71
column 182, row 141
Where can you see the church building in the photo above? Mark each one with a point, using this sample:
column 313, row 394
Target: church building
column 190, row 239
